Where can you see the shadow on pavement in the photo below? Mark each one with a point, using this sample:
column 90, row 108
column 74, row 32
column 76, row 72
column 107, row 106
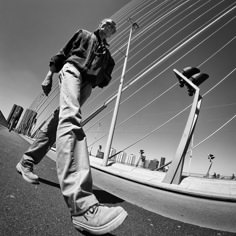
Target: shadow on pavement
column 48, row 182
column 105, row 197
column 88, row 234
column 102, row 196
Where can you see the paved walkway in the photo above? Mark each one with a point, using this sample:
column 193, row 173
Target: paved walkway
column 40, row 209
column 218, row 189
column 196, row 186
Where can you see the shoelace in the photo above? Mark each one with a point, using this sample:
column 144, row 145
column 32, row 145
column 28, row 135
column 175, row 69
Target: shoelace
column 27, row 167
column 92, row 210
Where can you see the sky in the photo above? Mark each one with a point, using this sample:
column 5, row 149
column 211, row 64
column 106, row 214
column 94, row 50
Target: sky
column 32, row 31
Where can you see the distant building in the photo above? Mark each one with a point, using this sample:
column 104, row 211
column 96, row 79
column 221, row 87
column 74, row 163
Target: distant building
column 131, row 160
column 100, row 154
column 121, row 157
column 3, row 120
column 146, row 164
column 153, row 164
column 14, row 116
column 27, row 122
column 11, row 113
column 112, row 154
column 162, row 162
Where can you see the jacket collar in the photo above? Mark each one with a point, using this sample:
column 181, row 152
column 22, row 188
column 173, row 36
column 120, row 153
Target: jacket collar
column 104, row 41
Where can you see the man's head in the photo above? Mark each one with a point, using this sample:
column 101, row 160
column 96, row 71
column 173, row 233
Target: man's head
column 107, row 28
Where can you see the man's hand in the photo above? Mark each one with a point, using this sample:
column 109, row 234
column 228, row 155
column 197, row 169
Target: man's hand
column 47, row 83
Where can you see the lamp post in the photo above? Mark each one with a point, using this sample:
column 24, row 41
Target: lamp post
column 190, row 78
column 134, row 25
column 210, row 157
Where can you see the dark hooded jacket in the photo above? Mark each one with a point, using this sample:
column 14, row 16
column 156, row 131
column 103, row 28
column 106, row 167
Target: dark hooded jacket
column 90, row 55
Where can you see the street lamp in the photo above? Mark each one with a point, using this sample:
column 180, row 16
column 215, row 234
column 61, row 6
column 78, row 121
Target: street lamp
column 194, row 75
column 134, row 26
column 190, row 78
column 210, row 157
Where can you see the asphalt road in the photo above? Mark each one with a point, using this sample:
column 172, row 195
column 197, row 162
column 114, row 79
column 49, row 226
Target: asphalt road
column 40, row 210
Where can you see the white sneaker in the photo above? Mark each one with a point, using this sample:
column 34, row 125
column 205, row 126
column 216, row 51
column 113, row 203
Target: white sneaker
column 100, row 219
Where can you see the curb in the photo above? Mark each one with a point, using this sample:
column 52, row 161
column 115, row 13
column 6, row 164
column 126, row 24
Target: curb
column 150, row 183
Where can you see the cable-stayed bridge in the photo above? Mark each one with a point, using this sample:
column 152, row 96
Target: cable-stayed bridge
column 153, row 109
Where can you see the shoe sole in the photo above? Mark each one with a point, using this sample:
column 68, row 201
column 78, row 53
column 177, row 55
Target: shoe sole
column 18, row 168
column 112, row 225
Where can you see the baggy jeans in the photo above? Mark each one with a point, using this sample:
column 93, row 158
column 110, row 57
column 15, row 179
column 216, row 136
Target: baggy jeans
column 44, row 141
column 73, row 167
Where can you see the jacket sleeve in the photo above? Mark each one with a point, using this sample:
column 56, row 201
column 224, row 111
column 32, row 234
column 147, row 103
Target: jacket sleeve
column 59, row 59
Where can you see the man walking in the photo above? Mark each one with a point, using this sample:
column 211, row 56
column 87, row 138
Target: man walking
column 83, row 63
